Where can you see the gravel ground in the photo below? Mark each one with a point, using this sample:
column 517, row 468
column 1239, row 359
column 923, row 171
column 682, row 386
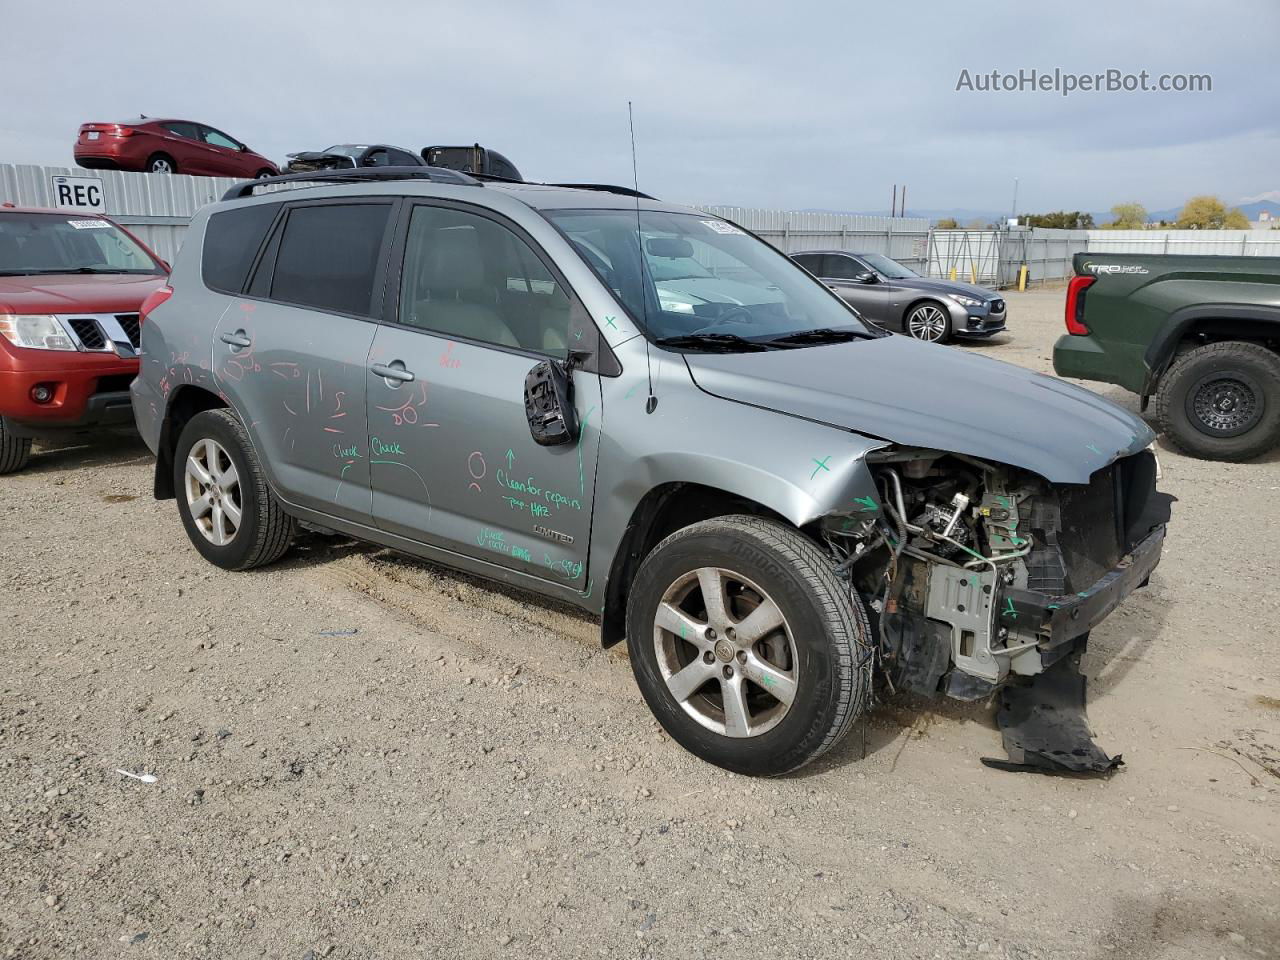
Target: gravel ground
column 362, row 755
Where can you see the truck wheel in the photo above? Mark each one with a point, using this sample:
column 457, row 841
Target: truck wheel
column 749, row 650
column 230, row 513
column 14, row 451
column 1222, row 401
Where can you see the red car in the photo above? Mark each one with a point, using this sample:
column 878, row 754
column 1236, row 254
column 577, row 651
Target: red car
column 168, row 146
column 72, row 295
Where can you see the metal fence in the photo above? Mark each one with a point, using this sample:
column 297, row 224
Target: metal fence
column 905, row 239
column 1239, row 243
column 155, row 208
column 994, row 257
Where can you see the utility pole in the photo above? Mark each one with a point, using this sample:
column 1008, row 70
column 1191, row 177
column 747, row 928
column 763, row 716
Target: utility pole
column 1014, row 213
column 893, row 207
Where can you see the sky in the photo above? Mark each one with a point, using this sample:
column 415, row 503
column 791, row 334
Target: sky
column 799, row 105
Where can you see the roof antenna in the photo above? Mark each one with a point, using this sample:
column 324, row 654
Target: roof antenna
column 652, row 403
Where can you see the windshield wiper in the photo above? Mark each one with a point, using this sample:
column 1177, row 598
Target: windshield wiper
column 819, row 335
column 722, row 342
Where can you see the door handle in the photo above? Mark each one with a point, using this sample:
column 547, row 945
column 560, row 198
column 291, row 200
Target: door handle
column 393, row 371
column 238, row 340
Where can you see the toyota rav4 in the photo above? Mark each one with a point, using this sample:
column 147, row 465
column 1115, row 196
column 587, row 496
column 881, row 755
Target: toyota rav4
column 71, row 289
column 491, row 375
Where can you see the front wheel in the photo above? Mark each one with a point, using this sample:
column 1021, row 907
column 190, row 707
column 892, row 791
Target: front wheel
column 227, row 508
column 929, row 322
column 1221, row 401
column 749, row 649
column 14, row 451
column 264, row 174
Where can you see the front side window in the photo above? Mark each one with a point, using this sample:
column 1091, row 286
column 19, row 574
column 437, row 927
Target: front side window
column 399, row 158
column 843, row 268
column 471, row 277
column 329, row 256
column 218, row 139
column 35, row 243
column 890, row 269
column 701, row 277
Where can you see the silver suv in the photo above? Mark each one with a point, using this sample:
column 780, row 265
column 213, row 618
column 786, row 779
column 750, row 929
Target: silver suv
column 648, row 412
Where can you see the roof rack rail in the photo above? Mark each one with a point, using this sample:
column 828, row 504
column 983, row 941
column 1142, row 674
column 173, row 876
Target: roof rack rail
column 604, row 188
column 355, row 175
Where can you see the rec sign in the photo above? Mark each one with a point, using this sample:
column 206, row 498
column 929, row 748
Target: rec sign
column 79, row 193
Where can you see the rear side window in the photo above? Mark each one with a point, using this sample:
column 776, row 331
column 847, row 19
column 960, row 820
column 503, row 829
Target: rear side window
column 329, row 256
column 231, row 241
column 810, row 261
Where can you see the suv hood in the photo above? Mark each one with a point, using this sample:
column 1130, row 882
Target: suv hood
column 77, row 292
column 925, row 395
column 947, row 286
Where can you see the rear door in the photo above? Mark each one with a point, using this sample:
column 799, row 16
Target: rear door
column 870, row 299
column 475, row 305
column 183, row 142
column 291, row 353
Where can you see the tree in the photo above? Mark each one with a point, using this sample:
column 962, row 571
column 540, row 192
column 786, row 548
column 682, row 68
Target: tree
column 1059, row 220
column 1128, row 216
column 1206, row 212
column 947, row 223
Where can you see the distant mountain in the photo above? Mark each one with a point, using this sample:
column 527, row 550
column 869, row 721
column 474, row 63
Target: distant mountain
column 965, row 215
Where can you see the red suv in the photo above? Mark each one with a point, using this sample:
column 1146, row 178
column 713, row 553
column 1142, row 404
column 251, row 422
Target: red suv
column 72, row 292
column 168, row 146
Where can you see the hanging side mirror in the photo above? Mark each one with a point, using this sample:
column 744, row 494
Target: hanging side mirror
column 548, row 402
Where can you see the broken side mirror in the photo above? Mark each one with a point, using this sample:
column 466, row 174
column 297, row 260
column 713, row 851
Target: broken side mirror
column 548, row 402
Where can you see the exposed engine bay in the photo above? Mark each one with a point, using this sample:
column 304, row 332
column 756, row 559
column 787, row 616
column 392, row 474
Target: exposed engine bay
column 983, row 578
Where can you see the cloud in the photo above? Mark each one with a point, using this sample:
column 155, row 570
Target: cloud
column 816, row 104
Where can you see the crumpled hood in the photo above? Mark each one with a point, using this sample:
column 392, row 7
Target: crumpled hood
column 925, row 395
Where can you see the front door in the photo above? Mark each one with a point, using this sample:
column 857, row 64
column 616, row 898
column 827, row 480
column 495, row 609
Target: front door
column 869, row 299
column 291, row 355
column 451, row 458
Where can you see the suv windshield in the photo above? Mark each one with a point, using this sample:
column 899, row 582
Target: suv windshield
column 702, row 276
column 890, row 269
column 38, row 243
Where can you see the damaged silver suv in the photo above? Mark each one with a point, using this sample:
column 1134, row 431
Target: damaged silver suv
column 648, row 412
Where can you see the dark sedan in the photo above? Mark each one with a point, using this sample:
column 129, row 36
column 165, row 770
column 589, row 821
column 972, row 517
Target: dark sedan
column 343, row 155
column 896, row 298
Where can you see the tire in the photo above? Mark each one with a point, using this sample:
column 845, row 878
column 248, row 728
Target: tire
column 161, row 163
column 929, row 321
column 1221, row 401
column 216, row 441
column 819, row 655
column 14, row 451
column 263, row 174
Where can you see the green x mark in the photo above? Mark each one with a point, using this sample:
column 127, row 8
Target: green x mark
column 1008, row 611
column 821, row 465
column 609, row 321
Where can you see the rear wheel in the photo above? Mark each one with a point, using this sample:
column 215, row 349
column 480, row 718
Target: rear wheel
column 930, row 322
column 229, row 511
column 14, row 451
column 749, row 650
column 263, row 174
column 1221, row 401
column 161, row 163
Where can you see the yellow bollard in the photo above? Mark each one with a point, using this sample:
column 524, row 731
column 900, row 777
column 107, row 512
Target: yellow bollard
column 973, row 274
column 1022, row 277
column 953, row 273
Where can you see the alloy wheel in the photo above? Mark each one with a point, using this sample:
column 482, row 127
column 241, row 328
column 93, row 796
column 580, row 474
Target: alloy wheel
column 161, row 165
column 726, row 652
column 928, row 323
column 212, row 486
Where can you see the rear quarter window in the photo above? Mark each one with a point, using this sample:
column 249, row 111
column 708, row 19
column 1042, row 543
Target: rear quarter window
column 231, row 241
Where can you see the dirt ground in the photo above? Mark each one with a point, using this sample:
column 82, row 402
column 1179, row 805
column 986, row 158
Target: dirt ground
column 360, row 755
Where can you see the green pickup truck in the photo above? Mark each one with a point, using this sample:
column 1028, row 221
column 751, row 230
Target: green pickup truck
column 1199, row 336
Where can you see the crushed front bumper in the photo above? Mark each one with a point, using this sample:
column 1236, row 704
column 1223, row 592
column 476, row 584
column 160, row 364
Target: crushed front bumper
column 1059, row 620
